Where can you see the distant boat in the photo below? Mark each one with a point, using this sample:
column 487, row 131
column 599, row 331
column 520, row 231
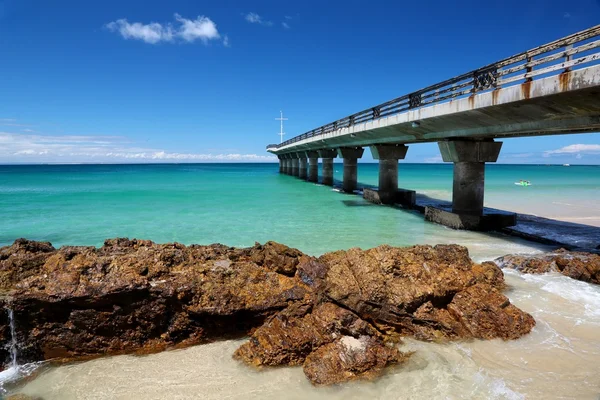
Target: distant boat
column 523, row 183
column 566, row 165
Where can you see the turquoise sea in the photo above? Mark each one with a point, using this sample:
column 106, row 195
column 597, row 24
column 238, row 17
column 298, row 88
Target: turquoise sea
column 238, row 204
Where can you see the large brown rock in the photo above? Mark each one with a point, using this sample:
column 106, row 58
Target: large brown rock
column 349, row 358
column 137, row 296
column 577, row 265
column 421, row 291
column 338, row 315
column 293, row 334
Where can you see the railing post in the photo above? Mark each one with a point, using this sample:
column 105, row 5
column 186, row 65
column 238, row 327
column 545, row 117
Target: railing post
column 568, row 56
column 528, row 69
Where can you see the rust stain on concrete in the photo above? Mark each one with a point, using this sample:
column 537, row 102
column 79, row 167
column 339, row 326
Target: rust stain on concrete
column 472, row 101
column 495, row 96
column 526, row 90
column 564, row 80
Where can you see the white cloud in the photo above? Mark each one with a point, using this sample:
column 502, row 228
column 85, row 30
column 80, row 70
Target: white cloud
column 21, row 148
column 285, row 25
column 567, row 15
column 226, row 41
column 149, row 33
column 202, row 28
column 575, row 148
column 254, row 18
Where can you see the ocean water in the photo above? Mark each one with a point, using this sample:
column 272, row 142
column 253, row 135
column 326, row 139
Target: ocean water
column 238, row 204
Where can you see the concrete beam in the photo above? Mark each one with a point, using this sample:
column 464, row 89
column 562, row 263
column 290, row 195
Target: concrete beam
column 313, row 166
column 389, row 151
column 350, row 156
column 469, row 151
column 388, row 156
column 327, row 155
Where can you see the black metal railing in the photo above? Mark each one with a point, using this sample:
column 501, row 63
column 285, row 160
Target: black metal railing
column 539, row 62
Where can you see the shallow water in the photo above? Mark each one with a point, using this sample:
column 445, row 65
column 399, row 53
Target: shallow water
column 240, row 204
column 558, row 360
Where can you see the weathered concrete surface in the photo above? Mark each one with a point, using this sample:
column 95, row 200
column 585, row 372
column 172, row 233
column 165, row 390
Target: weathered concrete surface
column 295, row 166
column 388, row 156
column 565, row 103
column 469, row 158
column 327, row 156
column 350, row 156
column 403, row 197
column 484, row 222
column 302, row 173
column 313, row 166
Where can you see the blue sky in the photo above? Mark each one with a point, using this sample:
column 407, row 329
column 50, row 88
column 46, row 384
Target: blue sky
column 189, row 81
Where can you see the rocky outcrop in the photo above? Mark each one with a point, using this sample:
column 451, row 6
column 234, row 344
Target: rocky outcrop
column 137, row 296
column 339, row 315
column 430, row 293
column 577, row 265
column 349, row 358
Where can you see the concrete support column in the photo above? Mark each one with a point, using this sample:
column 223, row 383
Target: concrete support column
column 281, row 163
column 388, row 156
column 295, row 165
column 468, row 188
column 302, row 165
column 286, row 164
column 469, row 158
column 313, row 166
column 350, row 156
column 327, row 156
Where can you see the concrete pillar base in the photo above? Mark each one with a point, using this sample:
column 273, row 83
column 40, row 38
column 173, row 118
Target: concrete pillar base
column 406, row 198
column 327, row 155
column 388, row 156
column 327, row 172
column 350, row 156
column 295, row 167
column 302, row 168
column 469, row 158
column 313, row 166
column 488, row 221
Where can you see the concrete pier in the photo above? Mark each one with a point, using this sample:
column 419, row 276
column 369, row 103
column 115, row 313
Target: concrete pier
column 281, row 162
column 313, row 166
column 295, row 165
column 288, row 164
column 469, row 158
column 350, row 156
column 302, row 164
column 388, row 156
column 327, row 156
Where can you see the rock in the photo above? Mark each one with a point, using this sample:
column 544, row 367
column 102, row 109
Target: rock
column 577, row 265
column 430, row 293
column 338, row 315
column 349, row 358
column 137, row 296
column 291, row 336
